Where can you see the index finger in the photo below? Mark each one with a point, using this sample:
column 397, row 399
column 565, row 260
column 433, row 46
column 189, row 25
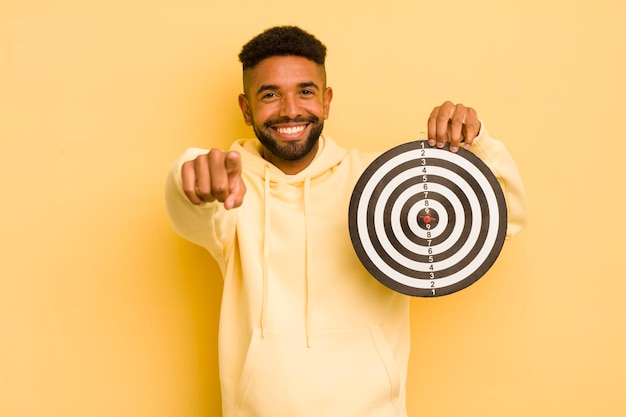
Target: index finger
column 432, row 126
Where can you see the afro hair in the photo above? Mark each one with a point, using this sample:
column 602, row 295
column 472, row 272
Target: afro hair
column 282, row 41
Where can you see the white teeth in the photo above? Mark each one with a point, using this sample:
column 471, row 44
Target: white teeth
column 290, row 130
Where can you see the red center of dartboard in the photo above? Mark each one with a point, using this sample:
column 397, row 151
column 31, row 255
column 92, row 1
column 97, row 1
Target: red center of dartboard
column 427, row 218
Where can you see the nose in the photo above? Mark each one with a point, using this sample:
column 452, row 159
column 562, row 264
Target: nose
column 289, row 107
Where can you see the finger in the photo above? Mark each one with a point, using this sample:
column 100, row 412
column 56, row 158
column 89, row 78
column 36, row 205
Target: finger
column 236, row 186
column 472, row 127
column 432, row 126
column 219, row 175
column 232, row 163
column 444, row 116
column 457, row 122
column 188, row 177
column 203, row 187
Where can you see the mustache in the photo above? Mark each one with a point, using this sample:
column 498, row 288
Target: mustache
column 285, row 120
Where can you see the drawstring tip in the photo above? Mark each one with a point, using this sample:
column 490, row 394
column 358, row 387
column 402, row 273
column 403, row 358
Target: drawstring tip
column 308, row 341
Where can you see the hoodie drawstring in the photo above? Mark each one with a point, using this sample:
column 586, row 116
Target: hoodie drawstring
column 266, row 255
column 266, row 248
column 307, row 261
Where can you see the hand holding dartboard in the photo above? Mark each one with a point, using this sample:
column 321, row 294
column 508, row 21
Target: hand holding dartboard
column 425, row 221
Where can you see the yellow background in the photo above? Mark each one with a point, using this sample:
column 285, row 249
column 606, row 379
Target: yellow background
column 104, row 311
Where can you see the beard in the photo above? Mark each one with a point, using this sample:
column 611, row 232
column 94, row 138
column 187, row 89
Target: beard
column 293, row 150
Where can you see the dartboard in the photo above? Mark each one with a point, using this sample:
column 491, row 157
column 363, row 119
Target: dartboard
column 425, row 221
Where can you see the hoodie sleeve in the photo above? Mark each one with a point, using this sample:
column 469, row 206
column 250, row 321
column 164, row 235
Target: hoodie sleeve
column 495, row 155
column 208, row 225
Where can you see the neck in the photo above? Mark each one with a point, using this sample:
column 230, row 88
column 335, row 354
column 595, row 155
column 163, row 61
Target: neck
column 290, row 167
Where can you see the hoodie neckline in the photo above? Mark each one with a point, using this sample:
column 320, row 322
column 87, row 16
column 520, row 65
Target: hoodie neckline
column 328, row 154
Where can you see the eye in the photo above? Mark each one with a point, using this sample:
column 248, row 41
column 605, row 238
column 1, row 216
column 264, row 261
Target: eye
column 307, row 92
column 268, row 96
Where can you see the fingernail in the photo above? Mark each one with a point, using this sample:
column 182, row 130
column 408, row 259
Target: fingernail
column 454, row 148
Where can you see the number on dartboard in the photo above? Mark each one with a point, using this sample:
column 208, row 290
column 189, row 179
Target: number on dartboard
column 431, row 258
column 427, row 226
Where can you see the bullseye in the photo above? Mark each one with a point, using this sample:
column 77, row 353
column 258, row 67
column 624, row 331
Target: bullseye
column 427, row 218
column 425, row 221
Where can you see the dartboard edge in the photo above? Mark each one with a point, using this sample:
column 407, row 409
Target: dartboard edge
column 427, row 222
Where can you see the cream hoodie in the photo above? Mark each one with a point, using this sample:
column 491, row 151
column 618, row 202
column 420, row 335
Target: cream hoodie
column 305, row 331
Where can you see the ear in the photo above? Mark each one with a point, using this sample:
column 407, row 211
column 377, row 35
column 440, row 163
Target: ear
column 328, row 96
column 244, row 105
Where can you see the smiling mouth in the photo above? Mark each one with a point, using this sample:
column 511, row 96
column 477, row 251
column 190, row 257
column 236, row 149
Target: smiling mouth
column 291, row 130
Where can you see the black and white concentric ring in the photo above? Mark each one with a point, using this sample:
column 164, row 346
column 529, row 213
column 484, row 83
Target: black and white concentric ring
column 425, row 221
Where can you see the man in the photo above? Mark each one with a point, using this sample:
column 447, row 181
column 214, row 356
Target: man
column 304, row 329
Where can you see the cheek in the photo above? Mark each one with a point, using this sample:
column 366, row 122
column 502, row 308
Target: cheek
column 263, row 113
column 317, row 109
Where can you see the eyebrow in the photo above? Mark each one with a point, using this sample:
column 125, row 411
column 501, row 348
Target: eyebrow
column 269, row 87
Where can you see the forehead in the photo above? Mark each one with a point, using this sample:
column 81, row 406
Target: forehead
column 284, row 71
